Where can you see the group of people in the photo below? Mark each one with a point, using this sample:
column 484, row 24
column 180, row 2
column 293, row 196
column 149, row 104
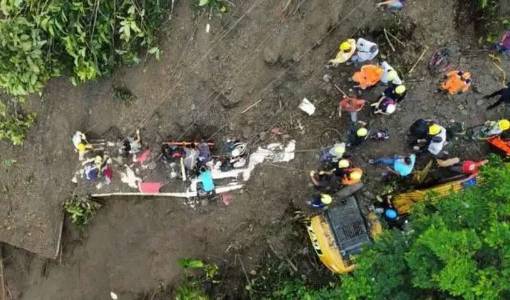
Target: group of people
column 426, row 136
column 94, row 159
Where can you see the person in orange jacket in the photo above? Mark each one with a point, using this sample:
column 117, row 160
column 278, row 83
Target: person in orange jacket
column 351, row 176
column 457, row 82
column 368, row 76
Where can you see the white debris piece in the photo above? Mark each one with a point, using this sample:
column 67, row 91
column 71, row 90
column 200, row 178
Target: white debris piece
column 130, row 178
column 307, row 107
column 113, row 296
column 276, row 152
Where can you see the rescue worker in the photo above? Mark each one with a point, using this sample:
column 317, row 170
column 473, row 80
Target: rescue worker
column 131, row 145
column 351, row 176
column 358, row 134
column 341, row 168
column 347, row 49
column 333, row 154
column 81, row 145
column 392, row 5
column 395, row 92
column 366, row 51
column 504, row 96
column 368, row 76
column 390, row 76
column 399, row 165
column 493, row 128
column 435, row 139
column 320, row 201
column 385, row 106
column 325, row 182
column 467, row 167
column 457, row 82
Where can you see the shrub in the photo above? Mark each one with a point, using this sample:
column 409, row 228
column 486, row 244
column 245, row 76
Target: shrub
column 80, row 210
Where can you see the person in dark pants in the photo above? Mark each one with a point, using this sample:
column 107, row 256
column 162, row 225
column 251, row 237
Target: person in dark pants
column 504, row 96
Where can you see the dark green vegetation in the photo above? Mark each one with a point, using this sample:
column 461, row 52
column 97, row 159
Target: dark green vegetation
column 80, row 210
column 489, row 20
column 459, row 247
column 14, row 125
column 83, row 39
column 198, row 274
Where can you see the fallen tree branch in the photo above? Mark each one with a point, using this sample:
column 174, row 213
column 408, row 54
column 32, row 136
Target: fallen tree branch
column 388, row 40
column 419, row 59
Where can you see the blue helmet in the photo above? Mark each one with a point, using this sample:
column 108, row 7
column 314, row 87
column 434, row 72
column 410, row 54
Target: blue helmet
column 390, row 214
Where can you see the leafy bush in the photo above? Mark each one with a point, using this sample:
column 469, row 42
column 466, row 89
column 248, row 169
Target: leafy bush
column 80, row 210
column 14, row 126
column 43, row 39
column 197, row 274
column 458, row 248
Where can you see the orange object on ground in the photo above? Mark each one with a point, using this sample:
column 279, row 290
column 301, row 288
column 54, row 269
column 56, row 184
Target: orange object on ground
column 456, row 83
column 368, row 76
column 350, row 104
column 498, row 143
column 347, row 180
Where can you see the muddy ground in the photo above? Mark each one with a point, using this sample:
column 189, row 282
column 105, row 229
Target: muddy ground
column 199, row 87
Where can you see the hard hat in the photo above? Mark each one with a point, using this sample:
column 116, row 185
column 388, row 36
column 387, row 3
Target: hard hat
column 356, row 174
column 345, row 46
column 434, row 129
column 392, row 75
column 343, row 163
column 362, row 132
column 81, row 147
column 326, row 199
column 400, row 89
column 338, row 149
column 391, row 108
column 98, row 160
column 390, row 213
column 504, row 124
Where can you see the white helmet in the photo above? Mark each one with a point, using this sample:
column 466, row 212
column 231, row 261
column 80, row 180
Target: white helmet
column 391, row 108
column 239, row 150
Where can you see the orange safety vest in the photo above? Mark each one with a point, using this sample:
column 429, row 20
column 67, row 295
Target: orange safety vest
column 346, row 180
column 368, row 76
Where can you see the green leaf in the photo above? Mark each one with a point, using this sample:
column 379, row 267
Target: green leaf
column 203, row 2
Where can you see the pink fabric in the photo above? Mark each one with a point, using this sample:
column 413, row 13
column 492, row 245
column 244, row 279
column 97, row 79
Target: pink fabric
column 149, row 187
column 142, row 157
column 352, row 104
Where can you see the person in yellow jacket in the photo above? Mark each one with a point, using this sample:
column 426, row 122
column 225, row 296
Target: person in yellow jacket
column 346, row 51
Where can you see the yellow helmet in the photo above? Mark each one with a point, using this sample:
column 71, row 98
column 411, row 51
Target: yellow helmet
column 343, row 163
column 434, row 129
column 338, row 149
column 400, row 89
column 392, row 75
column 362, row 132
column 504, row 124
column 345, row 46
column 356, row 174
column 98, row 160
column 326, row 199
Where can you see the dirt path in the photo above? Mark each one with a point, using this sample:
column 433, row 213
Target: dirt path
column 200, row 86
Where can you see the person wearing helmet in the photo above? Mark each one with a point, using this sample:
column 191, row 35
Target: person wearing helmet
column 342, row 167
column 352, row 176
column 436, row 138
column 368, row 76
column 366, row 51
column 456, row 82
column 392, row 5
column 390, row 76
column 492, row 128
column 333, row 154
column 358, row 134
column 325, row 182
column 347, row 49
column 320, row 201
column 395, row 92
column 504, row 96
column 400, row 165
column 81, row 145
column 385, row 106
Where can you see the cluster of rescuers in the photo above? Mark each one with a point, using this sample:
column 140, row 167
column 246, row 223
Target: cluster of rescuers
column 426, row 136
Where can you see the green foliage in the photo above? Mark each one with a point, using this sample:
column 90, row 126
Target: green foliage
column 80, row 210
column 123, row 94
column 216, row 6
column 459, row 247
column 42, row 39
column 14, row 127
column 197, row 274
column 298, row 290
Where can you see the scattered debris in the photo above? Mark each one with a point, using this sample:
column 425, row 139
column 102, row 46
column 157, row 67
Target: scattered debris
column 307, row 106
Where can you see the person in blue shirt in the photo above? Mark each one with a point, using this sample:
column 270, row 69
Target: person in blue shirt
column 400, row 165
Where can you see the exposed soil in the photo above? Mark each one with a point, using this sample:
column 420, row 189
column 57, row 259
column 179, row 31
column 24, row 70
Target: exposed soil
column 199, row 87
